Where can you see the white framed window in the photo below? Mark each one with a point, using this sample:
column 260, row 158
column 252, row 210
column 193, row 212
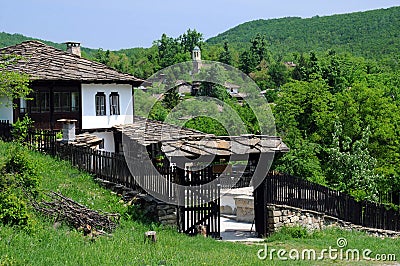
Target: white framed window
column 101, row 145
column 100, row 99
column 114, row 103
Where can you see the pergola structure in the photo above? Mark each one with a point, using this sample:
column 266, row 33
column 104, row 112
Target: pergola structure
column 182, row 166
column 179, row 142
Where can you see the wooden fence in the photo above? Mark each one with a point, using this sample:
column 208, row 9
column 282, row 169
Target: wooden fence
column 5, row 130
column 131, row 172
column 296, row 192
column 42, row 140
column 105, row 165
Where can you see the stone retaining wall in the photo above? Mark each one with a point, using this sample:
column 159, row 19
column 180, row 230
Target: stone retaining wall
column 244, row 208
column 151, row 207
column 283, row 215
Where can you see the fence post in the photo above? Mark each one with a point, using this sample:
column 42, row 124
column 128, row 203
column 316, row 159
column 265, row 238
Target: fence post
column 260, row 208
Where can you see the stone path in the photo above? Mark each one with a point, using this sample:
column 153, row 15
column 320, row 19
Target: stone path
column 234, row 231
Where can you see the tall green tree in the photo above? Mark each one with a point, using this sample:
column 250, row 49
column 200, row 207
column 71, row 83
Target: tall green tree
column 248, row 62
column 168, row 48
column 171, row 99
column 259, row 48
column 279, row 74
column 350, row 167
column 102, row 56
column 226, row 56
column 13, row 84
column 190, row 39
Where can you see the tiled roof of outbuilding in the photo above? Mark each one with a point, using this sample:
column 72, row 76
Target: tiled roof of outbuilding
column 44, row 62
column 184, row 142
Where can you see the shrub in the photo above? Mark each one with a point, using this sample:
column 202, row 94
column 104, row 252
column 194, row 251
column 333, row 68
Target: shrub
column 136, row 213
column 296, row 231
column 23, row 169
column 290, row 232
column 21, row 128
column 18, row 179
column 13, row 210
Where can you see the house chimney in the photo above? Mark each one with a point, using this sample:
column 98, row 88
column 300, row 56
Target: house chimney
column 74, row 48
column 68, row 130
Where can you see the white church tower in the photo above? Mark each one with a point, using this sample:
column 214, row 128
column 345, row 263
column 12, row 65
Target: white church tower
column 196, row 57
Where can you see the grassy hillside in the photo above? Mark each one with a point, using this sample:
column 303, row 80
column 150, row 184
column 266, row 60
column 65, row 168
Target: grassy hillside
column 47, row 244
column 371, row 34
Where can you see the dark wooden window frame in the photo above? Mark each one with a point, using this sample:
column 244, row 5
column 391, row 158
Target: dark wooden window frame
column 100, row 102
column 114, row 103
column 62, row 101
column 40, row 102
column 66, row 101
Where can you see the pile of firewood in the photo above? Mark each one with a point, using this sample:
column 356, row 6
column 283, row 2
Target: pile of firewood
column 64, row 209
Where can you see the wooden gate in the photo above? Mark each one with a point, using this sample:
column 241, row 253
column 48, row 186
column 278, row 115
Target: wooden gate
column 260, row 212
column 196, row 210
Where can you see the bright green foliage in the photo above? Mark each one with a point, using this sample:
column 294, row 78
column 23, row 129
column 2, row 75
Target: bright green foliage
column 303, row 110
column 46, row 245
column 172, row 51
column 189, row 40
column 158, row 112
column 279, row 74
column 259, row 49
column 13, row 85
column 251, row 59
column 171, row 99
column 372, row 34
column 302, row 160
column 23, row 169
column 19, row 178
column 226, row 55
column 14, row 210
column 290, row 232
column 207, row 125
column 337, row 90
column 168, row 49
column 350, row 167
column 21, row 128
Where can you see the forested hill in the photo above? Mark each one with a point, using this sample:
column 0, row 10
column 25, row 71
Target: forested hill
column 369, row 34
column 7, row 39
column 372, row 34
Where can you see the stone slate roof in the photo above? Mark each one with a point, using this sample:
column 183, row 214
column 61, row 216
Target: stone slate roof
column 184, row 142
column 43, row 62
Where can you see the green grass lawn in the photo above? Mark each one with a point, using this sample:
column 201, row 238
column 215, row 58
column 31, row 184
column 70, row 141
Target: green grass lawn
column 47, row 245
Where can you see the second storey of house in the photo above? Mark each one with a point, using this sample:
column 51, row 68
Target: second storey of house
column 66, row 86
column 106, row 105
column 93, row 105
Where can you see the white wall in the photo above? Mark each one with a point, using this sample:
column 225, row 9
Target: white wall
column 108, row 137
column 6, row 110
column 89, row 118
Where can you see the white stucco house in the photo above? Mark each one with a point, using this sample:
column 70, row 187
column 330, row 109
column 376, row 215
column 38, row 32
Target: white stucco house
column 67, row 86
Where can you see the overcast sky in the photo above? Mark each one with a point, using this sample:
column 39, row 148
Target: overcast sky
column 137, row 23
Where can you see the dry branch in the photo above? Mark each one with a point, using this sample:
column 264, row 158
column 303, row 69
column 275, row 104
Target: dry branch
column 77, row 215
